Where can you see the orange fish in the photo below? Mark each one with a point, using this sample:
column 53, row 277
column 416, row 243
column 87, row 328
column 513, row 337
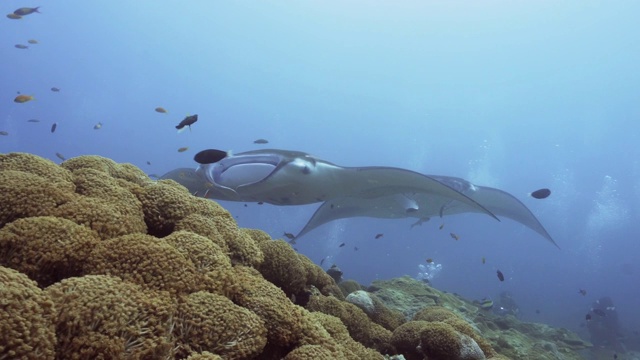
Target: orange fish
column 32, row 41
column 161, row 110
column 454, row 236
column 23, row 98
column 183, row 149
column 14, row 16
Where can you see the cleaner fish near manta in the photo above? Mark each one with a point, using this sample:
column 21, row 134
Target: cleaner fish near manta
column 283, row 177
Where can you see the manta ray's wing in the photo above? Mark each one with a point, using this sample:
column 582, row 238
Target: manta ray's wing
column 500, row 203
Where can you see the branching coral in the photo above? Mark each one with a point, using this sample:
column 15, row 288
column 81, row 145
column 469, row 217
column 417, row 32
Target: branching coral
column 47, row 249
column 210, row 322
column 103, row 316
column 27, row 317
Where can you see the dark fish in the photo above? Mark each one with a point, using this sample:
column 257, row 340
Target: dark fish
column 4, row 133
column 429, row 260
column 97, row 126
column 332, row 206
column 260, row 202
column 500, row 275
column 187, row 121
column 441, row 226
column 14, row 16
column 615, row 356
column 183, row 149
column 322, row 261
column 289, row 236
column 342, row 245
column 55, row 89
column 454, row 236
column 33, row 120
column 588, row 317
column 20, row 46
column 599, row 312
column 541, row 194
column 484, row 260
column 148, row 162
column 53, row 127
column 161, row 110
column 32, row 41
column 537, row 311
column 61, row 157
column 26, row 11
column 355, row 248
column 582, row 292
column 261, row 141
column 378, row 236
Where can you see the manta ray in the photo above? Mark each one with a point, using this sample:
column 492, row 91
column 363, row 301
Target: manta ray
column 283, row 177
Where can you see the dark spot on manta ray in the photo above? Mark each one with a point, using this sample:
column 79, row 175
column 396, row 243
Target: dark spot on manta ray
column 411, row 210
column 306, row 170
column 209, row 156
column 541, row 194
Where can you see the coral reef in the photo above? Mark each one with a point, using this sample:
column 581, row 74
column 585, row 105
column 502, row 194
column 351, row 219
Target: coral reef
column 99, row 261
column 27, row 328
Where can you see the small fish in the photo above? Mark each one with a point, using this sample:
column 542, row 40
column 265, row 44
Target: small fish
column 245, row 205
column 441, row 226
column 32, row 41
column 588, row 317
column 500, row 275
column 183, row 149
column 97, row 126
column 148, row 162
column 161, row 110
column 20, row 46
column 33, row 120
column 54, row 126
column 429, row 260
column 342, row 245
column 260, row 202
column 484, row 261
column 355, row 248
column 289, row 236
column 486, row 304
column 322, row 261
column 615, row 356
column 14, row 16
column 419, row 222
column 26, row 11
column 537, row 311
column 187, row 121
column 60, row 156
column 55, row 89
column 454, row 236
column 541, row 194
column 261, row 141
column 378, row 236
column 4, row 133
column 23, row 98
column 582, row 292
column 599, row 312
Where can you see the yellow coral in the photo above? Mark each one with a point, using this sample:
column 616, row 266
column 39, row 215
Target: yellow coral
column 47, row 249
column 310, row 352
column 406, row 338
column 24, row 194
column 27, row 318
column 103, row 315
column 352, row 349
column 281, row 317
column 361, row 328
column 205, row 355
column 282, row 267
column 204, row 226
column 203, row 253
column 210, row 322
column 145, row 260
column 47, row 169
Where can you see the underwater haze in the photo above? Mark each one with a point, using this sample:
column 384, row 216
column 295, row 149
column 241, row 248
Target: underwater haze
column 512, row 95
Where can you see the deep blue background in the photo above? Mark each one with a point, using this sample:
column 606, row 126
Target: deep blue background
column 506, row 94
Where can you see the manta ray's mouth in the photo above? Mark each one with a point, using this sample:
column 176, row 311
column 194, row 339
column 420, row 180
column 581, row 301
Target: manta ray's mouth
column 239, row 171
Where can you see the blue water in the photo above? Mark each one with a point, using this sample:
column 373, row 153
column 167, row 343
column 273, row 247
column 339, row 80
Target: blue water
column 511, row 95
